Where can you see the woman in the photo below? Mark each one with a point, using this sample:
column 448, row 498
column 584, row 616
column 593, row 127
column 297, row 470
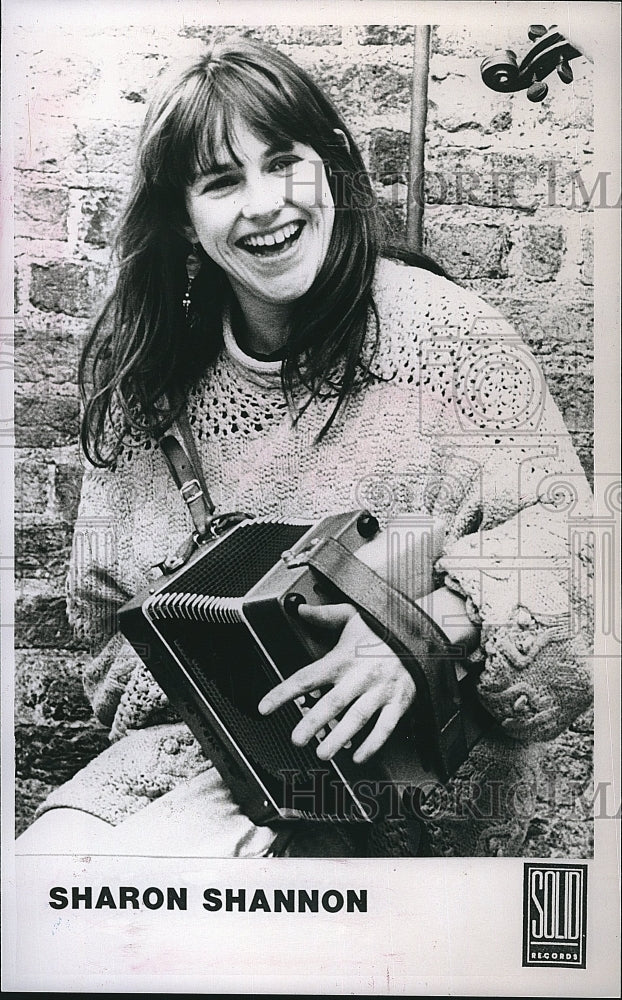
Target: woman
column 251, row 299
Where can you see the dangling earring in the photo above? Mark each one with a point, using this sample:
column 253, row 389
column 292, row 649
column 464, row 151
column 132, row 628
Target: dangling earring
column 193, row 266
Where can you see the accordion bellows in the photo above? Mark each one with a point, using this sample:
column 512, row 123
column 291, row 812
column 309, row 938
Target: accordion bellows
column 223, row 630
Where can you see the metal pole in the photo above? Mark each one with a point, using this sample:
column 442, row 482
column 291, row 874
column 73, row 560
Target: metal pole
column 418, row 119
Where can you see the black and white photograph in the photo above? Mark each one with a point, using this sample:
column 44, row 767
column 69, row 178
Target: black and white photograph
column 311, row 515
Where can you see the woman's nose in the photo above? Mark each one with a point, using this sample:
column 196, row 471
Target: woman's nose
column 262, row 199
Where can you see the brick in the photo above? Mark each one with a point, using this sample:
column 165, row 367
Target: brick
column 576, row 185
column 108, row 148
column 50, row 357
column 42, row 550
column 461, row 176
column 45, row 421
column 134, row 97
column 33, row 486
column 359, row 90
column 41, row 620
column 566, row 107
column 458, row 101
column 388, row 155
column 541, row 253
column 283, row 34
column 387, row 88
column 273, row 34
column 570, row 381
column 587, row 257
column 463, row 41
column 18, row 290
column 100, row 211
column 472, row 250
column 48, row 688
column 29, row 794
column 44, row 143
column 501, row 121
column 53, row 754
column 67, row 483
column 546, row 328
column 583, row 442
column 40, row 212
column 386, row 34
column 66, row 287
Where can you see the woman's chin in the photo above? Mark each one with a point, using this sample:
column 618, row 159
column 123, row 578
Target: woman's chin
column 281, row 289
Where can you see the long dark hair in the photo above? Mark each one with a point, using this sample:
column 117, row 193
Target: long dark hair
column 144, row 354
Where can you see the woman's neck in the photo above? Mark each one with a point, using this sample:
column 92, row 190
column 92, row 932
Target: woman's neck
column 260, row 327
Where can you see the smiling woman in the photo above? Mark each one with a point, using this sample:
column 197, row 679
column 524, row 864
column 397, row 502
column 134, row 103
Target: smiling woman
column 251, row 311
column 240, row 145
column 266, row 219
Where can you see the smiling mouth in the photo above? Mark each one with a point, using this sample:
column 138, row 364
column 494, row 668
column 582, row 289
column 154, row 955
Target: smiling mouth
column 272, row 244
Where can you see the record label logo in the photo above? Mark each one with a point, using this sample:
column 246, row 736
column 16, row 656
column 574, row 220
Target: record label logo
column 554, row 915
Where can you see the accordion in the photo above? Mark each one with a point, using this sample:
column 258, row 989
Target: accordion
column 223, row 630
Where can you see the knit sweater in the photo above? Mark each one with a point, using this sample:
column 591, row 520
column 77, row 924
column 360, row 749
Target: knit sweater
column 459, row 425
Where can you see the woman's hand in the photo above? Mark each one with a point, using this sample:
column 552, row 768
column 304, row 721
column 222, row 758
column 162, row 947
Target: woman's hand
column 370, row 683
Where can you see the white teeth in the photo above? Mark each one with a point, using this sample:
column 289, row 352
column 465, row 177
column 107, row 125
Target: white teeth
column 271, row 238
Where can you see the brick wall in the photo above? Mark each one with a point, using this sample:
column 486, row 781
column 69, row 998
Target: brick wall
column 499, row 216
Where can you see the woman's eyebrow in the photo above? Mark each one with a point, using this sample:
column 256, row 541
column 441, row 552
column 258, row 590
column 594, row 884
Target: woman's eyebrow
column 282, row 146
column 216, row 169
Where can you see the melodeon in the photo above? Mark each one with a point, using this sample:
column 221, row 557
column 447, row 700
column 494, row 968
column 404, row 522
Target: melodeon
column 223, row 630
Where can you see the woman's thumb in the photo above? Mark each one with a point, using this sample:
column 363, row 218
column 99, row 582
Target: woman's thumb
column 331, row 616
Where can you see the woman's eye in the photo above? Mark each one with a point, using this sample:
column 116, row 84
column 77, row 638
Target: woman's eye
column 220, row 183
column 284, row 163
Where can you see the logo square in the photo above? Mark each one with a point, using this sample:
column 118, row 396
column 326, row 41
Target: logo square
column 554, row 915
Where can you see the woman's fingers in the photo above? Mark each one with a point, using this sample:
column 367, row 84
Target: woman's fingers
column 355, row 718
column 306, row 679
column 358, row 687
column 326, row 709
column 322, row 671
column 387, row 721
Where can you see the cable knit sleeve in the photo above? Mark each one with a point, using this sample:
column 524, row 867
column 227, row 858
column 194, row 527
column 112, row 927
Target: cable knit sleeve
column 103, row 575
column 519, row 539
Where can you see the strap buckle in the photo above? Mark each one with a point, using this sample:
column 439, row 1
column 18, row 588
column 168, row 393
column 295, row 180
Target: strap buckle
column 296, row 557
column 191, row 491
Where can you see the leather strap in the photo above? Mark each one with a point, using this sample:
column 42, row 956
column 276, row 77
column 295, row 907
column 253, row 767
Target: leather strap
column 183, row 425
column 188, row 480
column 420, row 644
column 185, row 467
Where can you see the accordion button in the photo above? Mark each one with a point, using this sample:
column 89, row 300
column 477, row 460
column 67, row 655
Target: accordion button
column 367, row 525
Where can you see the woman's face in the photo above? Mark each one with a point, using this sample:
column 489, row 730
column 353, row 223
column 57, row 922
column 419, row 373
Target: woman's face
column 266, row 222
